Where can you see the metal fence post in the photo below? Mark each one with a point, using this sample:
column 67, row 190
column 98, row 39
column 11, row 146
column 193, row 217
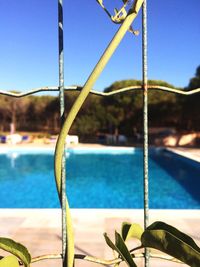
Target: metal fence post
column 62, row 109
column 145, row 122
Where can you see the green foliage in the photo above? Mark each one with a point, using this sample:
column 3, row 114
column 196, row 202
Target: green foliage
column 15, row 249
column 9, row 261
column 198, row 72
column 133, row 230
column 160, row 236
column 87, row 125
column 190, row 104
column 169, row 240
column 125, row 109
column 121, row 248
column 91, row 118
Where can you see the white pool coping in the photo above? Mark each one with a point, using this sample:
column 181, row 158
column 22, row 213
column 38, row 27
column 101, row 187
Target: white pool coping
column 193, row 154
column 52, row 217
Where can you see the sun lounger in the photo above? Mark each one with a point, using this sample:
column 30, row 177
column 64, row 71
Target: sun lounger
column 14, row 139
column 3, row 139
column 71, row 139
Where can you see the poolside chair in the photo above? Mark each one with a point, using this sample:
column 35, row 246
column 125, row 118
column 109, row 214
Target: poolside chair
column 14, row 139
column 53, row 139
column 3, row 139
column 25, row 138
column 72, row 140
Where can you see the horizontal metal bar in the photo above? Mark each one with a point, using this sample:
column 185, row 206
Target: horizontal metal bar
column 32, row 91
column 121, row 90
column 151, row 87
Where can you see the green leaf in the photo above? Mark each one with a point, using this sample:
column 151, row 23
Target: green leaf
column 174, row 231
column 170, row 240
column 124, row 252
column 16, row 249
column 121, row 248
column 109, row 242
column 9, row 261
column 133, row 230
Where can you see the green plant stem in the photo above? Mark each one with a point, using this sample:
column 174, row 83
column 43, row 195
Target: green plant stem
column 72, row 114
column 103, row 261
column 46, row 257
column 139, row 247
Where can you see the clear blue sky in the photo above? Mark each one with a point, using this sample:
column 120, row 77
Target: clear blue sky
column 29, row 46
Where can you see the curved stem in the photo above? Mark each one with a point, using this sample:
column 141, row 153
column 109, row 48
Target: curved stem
column 103, row 261
column 133, row 249
column 72, row 114
column 46, row 257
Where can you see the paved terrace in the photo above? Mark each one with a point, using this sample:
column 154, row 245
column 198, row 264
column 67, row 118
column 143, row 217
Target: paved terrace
column 39, row 229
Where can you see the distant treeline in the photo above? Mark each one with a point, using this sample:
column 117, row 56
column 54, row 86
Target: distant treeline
column 122, row 112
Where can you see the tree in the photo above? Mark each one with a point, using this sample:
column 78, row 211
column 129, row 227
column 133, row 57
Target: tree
column 91, row 118
column 120, row 107
column 191, row 110
column 12, row 112
column 124, row 110
column 52, row 111
column 4, row 113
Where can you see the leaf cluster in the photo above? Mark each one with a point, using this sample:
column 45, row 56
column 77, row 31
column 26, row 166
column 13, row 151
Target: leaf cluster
column 158, row 236
column 19, row 253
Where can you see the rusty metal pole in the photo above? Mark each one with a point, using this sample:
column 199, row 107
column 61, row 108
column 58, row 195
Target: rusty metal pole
column 145, row 123
column 62, row 109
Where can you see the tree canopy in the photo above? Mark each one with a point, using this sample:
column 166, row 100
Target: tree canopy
column 191, row 104
column 120, row 113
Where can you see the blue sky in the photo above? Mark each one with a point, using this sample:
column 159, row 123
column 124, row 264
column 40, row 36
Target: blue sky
column 29, row 46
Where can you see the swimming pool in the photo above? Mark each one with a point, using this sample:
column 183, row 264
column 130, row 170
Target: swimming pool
column 99, row 178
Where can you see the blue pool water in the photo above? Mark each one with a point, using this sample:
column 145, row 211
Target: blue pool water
column 99, row 179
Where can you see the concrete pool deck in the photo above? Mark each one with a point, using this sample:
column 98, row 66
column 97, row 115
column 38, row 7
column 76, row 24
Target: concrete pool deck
column 191, row 153
column 39, row 230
